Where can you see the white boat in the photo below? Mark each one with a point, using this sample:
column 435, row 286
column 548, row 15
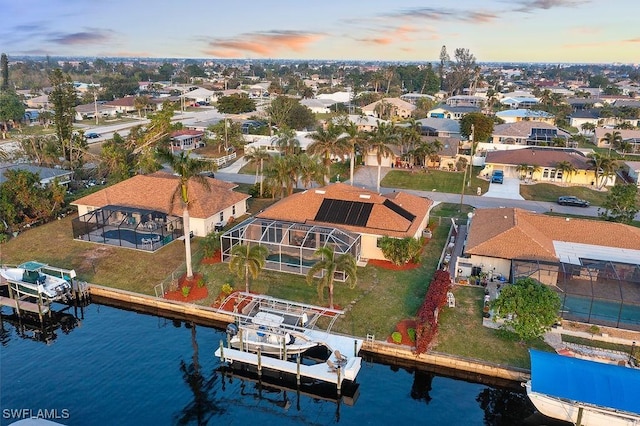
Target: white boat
column 286, row 337
column 35, row 279
column 584, row 392
column 265, row 333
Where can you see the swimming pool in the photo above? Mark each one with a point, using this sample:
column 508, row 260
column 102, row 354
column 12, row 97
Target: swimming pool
column 290, row 260
column 131, row 236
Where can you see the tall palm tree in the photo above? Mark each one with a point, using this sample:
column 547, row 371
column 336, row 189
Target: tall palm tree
column 258, row 157
column 612, row 139
column 287, row 142
column 588, row 127
column 603, row 167
column 247, row 261
column 328, row 265
column 411, row 136
column 533, row 169
column 309, row 170
column 278, row 175
column 355, row 138
column 567, row 169
column 327, row 142
column 188, row 170
column 378, row 142
column 522, row 168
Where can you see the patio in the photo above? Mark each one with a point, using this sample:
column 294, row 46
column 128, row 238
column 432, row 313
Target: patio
column 128, row 227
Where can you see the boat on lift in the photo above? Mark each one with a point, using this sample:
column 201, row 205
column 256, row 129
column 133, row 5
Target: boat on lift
column 39, row 280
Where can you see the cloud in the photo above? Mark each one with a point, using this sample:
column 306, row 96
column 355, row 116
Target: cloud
column 402, row 33
column 632, row 40
column 261, row 43
column 444, row 14
column 531, row 5
column 91, row 36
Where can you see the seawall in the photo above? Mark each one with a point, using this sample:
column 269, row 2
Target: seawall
column 463, row 368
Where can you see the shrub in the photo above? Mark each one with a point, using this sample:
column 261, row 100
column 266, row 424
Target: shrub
column 396, row 337
column 186, row 290
column 435, row 299
column 211, row 243
column 412, row 334
column 200, row 282
column 400, row 250
column 227, row 288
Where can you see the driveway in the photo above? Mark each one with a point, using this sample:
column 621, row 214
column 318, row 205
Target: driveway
column 509, row 189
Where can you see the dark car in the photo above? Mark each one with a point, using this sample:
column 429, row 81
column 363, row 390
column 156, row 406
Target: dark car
column 497, row 176
column 92, row 135
column 570, row 200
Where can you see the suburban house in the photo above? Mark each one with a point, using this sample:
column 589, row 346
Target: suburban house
column 466, row 100
column 542, row 164
column 594, row 266
column 346, row 218
column 522, row 134
column 580, row 117
column 519, row 102
column 632, row 170
column 397, row 108
column 447, row 156
column 515, row 115
column 186, row 140
column 38, row 102
column 627, row 135
column 413, row 98
column 442, row 127
column 146, row 206
column 318, row 106
column 199, row 96
column 365, row 123
column 47, row 174
column 451, row 112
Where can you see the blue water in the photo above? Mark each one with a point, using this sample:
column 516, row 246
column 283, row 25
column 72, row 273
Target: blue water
column 130, row 236
column 290, row 260
column 123, row 368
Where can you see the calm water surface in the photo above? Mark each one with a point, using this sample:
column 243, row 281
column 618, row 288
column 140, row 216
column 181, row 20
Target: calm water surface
column 118, row 367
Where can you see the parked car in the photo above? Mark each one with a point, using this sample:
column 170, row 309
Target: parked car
column 570, row 200
column 497, row 176
column 92, row 135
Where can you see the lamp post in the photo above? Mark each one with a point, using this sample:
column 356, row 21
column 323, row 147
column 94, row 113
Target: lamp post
column 471, row 158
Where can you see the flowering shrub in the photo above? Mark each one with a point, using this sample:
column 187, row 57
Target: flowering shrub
column 435, row 299
column 186, row 290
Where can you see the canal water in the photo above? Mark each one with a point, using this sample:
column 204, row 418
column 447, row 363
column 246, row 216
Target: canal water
column 117, row 367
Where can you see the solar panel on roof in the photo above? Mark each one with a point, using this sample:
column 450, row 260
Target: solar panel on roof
column 343, row 212
column 399, row 210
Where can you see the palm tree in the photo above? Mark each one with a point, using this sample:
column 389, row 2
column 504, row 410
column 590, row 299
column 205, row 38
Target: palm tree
column 355, row 138
column 327, row 142
column 522, row 168
column 287, row 142
column 588, row 127
column 567, row 168
column 188, row 170
column 141, row 103
column 603, row 167
column 612, row 139
column 258, row 157
column 309, row 170
column 248, row 261
column 378, row 140
column 532, row 169
column 278, row 175
column 329, row 264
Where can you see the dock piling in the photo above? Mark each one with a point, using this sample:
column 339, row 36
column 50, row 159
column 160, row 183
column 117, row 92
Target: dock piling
column 298, row 370
column 221, row 350
column 259, row 363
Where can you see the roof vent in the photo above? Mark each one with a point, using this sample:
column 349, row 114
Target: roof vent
column 320, row 191
column 567, row 219
column 365, row 196
column 506, row 217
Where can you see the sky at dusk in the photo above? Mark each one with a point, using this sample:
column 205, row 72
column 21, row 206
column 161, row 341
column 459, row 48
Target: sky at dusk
column 397, row 30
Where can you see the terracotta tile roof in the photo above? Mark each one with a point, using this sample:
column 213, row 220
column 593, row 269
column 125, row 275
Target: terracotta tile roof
column 520, row 129
column 155, row 192
column 543, row 157
column 303, row 208
column 519, row 234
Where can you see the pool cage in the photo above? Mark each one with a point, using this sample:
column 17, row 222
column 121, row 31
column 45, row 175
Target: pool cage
column 128, row 227
column 291, row 245
column 597, row 292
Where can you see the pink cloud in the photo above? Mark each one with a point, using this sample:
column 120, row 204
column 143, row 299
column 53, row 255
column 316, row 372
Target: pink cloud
column 263, row 44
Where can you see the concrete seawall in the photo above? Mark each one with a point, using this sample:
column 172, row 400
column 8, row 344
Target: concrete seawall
column 463, row 368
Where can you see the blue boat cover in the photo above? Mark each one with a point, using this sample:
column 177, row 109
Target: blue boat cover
column 604, row 385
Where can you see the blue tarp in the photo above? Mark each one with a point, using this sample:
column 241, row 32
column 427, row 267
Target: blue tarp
column 604, row 385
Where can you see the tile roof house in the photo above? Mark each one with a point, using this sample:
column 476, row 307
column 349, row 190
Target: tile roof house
column 524, row 133
column 515, row 115
column 209, row 208
column 186, row 140
column 451, row 112
column 544, row 165
column 356, row 210
column 630, row 135
column 399, row 108
column 588, row 262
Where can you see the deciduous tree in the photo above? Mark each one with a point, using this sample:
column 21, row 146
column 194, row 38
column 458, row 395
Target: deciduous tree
column 621, row 204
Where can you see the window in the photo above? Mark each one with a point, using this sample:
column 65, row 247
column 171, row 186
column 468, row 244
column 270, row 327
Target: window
column 233, row 210
column 545, row 173
column 559, row 174
column 221, row 216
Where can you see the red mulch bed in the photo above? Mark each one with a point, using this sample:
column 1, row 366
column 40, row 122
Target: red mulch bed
column 402, row 327
column 385, row 264
column 196, row 293
column 216, row 258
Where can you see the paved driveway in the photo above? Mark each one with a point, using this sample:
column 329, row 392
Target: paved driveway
column 509, row 189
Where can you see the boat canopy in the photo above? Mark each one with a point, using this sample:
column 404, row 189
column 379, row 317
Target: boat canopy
column 590, row 382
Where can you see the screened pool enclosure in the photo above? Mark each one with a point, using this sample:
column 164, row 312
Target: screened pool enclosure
column 128, row 227
column 291, row 245
column 595, row 291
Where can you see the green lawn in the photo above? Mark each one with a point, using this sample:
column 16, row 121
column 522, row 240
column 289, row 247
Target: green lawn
column 599, row 344
column 550, row 192
column 438, row 180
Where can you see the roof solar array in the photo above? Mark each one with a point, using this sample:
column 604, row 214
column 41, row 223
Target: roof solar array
column 342, row 212
column 399, row 210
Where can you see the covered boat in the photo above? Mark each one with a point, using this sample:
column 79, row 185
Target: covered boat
column 583, row 392
column 35, row 279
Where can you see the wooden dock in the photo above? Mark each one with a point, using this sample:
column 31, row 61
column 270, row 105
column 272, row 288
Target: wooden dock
column 23, row 305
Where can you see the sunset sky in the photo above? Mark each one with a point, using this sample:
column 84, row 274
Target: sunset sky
column 396, row 30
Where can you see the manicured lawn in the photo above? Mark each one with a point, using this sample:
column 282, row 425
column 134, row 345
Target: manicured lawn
column 438, row 180
column 550, row 192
